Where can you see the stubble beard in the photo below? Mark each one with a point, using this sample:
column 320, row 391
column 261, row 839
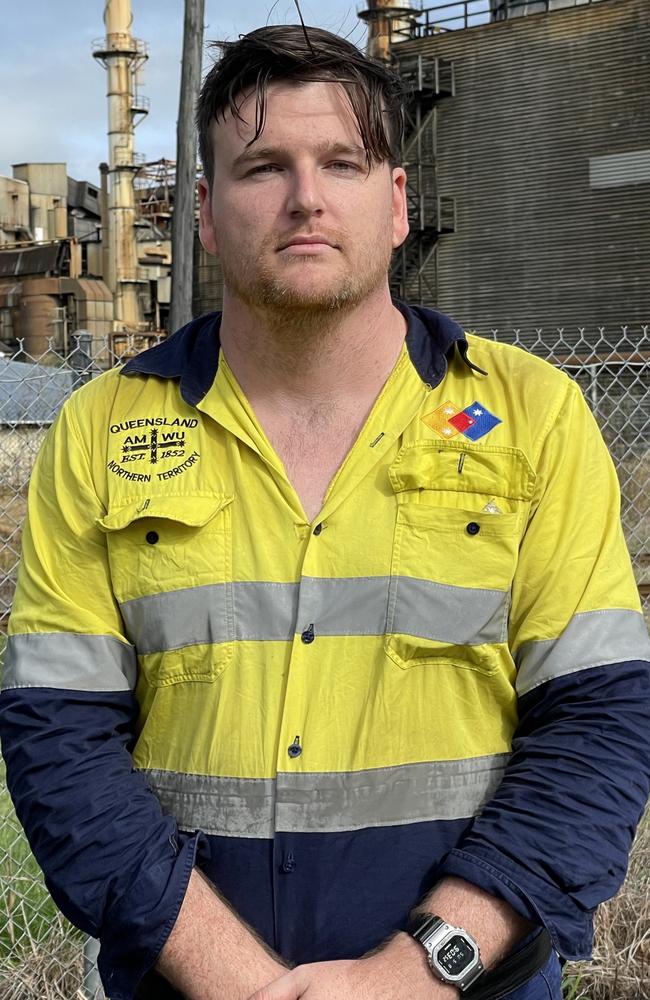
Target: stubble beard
column 296, row 314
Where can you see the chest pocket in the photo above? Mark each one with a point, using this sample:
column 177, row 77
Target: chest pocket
column 460, row 513
column 167, row 543
column 171, row 565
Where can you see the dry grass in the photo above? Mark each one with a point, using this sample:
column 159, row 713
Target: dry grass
column 40, row 953
column 12, row 514
column 49, row 970
column 620, row 967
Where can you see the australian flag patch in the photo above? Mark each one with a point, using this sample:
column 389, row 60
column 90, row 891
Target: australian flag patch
column 474, row 421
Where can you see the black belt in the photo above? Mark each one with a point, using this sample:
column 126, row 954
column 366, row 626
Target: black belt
column 514, row 971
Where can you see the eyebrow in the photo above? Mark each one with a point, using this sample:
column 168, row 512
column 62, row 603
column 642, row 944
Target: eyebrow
column 252, row 155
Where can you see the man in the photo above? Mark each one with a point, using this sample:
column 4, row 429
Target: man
column 325, row 617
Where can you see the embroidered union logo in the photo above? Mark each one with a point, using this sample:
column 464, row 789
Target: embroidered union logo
column 474, row 422
column 147, row 448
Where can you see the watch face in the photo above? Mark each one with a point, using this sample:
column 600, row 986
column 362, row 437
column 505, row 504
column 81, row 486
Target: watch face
column 455, row 956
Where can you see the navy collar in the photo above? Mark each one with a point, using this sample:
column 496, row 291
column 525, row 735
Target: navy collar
column 192, row 353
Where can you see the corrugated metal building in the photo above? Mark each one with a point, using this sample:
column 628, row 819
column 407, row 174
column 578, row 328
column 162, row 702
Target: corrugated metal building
column 530, row 139
column 45, row 298
column 48, row 198
column 14, row 210
column 207, row 281
column 528, row 155
column 30, row 397
column 32, row 394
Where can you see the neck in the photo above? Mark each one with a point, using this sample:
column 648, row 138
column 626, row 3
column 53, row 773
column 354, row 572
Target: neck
column 296, row 355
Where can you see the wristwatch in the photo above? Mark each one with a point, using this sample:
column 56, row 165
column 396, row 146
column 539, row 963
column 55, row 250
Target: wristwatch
column 453, row 954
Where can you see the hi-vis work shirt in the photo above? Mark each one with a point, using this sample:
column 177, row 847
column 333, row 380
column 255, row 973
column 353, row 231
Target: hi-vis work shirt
column 446, row 672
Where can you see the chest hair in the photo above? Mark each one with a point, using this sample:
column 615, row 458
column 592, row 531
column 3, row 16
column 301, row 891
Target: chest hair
column 312, row 447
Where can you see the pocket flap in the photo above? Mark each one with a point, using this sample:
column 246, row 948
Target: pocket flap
column 190, row 509
column 451, row 465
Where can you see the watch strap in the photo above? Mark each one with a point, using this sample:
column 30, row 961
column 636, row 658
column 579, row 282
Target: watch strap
column 419, row 927
column 514, row 971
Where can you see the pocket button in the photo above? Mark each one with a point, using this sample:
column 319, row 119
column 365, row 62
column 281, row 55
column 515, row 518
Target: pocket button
column 152, row 537
column 473, row 528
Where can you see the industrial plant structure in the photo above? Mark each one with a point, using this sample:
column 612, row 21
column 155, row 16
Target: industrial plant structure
column 76, row 256
column 528, row 160
column 123, row 57
column 527, row 150
column 45, row 292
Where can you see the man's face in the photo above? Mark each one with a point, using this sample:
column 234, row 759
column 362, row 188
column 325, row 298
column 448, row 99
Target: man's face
column 296, row 219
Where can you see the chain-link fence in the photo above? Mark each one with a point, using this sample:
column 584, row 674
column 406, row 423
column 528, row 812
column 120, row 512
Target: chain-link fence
column 41, row 955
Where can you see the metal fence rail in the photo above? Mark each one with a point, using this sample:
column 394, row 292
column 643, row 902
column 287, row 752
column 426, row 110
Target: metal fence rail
column 454, row 15
column 41, row 955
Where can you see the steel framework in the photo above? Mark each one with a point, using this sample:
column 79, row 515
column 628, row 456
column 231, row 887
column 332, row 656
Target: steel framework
column 413, row 271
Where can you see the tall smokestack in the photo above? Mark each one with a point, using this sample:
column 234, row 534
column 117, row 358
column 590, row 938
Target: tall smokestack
column 388, row 21
column 122, row 56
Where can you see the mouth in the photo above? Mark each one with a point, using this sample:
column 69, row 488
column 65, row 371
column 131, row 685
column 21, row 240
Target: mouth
column 314, row 241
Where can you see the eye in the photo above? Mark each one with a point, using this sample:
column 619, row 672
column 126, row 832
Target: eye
column 344, row 166
column 264, row 168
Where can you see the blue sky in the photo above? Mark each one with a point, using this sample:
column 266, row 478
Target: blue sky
column 52, row 92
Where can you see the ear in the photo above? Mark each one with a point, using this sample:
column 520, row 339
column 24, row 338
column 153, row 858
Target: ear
column 400, row 207
column 207, row 233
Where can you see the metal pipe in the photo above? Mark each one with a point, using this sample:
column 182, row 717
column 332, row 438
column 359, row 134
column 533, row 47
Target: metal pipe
column 121, row 55
column 107, row 261
column 388, row 21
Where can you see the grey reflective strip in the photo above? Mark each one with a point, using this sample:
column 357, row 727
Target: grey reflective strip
column 591, row 639
column 344, row 606
column 460, row 615
column 179, row 618
column 69, row 661
column 327, row 802
column 265, row 610
column 386, row 796
column 226, row 807
column 349, row 606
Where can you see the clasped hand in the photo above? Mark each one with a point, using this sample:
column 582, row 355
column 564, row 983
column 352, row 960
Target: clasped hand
column 388, row 975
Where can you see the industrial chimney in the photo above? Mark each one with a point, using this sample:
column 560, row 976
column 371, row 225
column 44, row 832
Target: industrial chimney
column 123, row 57
column 388, row 21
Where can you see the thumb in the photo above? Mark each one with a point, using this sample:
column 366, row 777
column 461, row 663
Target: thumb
column 286, row 987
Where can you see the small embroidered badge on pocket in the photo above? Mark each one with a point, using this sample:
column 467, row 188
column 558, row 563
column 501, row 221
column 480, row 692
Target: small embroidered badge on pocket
column 448, row 420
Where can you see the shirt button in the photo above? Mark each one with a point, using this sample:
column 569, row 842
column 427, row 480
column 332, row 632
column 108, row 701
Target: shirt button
column 295, row 749
column 473, row 528
column 289, row 865
column 152, row 537
column 308, row 635
column 318, row 529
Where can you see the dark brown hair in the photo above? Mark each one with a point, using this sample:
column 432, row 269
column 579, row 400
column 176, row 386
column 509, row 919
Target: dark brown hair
column 302, row 54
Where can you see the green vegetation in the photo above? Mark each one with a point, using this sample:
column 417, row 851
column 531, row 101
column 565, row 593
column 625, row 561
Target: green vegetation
column 571, row 988
column 24, row 904
column 40, row 953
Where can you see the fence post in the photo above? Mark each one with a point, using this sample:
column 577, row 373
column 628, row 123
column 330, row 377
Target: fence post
column 92, row 985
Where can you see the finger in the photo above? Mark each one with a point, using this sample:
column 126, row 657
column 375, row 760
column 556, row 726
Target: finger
column 284, row 988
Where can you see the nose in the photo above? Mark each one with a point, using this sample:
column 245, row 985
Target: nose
column 304, row 197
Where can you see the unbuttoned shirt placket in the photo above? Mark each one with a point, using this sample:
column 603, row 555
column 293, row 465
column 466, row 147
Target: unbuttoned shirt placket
column 392, row 413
